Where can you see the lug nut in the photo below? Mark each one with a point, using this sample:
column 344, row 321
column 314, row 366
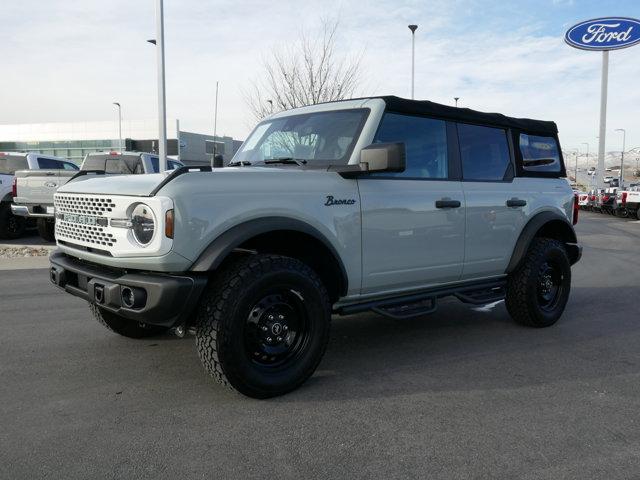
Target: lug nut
column 285, row 328
column 280, row 317
column 264, row 329
column 269, row 339
column 270, row 317
column 279, row 339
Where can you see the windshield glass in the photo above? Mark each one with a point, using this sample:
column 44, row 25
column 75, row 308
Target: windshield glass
column 320, row 138
column 10, row 163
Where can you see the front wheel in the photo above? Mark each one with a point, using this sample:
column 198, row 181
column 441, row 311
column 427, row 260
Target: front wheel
column 538, row 291
column 263, row 325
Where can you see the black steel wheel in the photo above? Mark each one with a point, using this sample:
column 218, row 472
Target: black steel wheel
column 263, row 325
column 538, row 290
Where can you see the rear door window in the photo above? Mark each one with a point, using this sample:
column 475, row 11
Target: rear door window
column 539, row 154
column 49, row 164
column 484, row 152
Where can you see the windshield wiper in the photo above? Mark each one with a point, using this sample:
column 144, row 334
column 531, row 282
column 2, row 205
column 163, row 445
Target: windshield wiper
column 239, row 163
column 285, row 161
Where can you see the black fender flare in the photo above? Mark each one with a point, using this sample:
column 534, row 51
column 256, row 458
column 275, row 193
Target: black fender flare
column 224, row 244
column 563, row 230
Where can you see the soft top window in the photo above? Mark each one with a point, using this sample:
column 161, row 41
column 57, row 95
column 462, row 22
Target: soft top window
column 539, row 154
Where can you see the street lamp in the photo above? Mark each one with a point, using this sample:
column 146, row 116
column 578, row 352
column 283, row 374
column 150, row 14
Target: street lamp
column 162, row 99
column 119, row 124
column 456, row 99
column 624, row 138
column 413, row 29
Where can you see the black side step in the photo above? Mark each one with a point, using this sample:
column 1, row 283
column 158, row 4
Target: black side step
column 483, row 296
column 408, row 306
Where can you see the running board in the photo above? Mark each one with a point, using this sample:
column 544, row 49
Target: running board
column 415, row 305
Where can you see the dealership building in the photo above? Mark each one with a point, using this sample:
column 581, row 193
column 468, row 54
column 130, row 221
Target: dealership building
column 74, row 140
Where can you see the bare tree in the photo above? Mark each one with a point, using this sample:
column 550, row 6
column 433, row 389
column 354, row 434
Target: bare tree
column 307, row 73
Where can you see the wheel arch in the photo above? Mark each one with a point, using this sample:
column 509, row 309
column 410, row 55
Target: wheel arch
column 550, row 225
column 284, row 236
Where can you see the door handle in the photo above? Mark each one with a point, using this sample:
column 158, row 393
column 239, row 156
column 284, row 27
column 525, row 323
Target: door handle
column 516, row 202
column 447, row 203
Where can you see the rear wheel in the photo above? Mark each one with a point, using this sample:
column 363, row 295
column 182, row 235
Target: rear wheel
column 124, row 326
column 46, row 229
column 263, row 325
column 11, row 226
column 538, row 291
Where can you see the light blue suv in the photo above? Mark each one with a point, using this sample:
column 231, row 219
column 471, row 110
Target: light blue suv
column 375, row 204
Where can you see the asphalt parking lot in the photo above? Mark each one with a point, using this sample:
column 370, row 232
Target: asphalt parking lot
column 463, row 393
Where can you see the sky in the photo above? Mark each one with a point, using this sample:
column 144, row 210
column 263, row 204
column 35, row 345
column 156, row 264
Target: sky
column 68, row 60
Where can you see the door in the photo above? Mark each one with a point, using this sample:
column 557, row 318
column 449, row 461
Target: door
column 496, row 206
column 413, row 221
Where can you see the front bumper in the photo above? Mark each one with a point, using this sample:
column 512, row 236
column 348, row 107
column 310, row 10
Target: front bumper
column 159, row 299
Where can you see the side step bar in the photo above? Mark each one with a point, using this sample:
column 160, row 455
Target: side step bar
column 415, row 305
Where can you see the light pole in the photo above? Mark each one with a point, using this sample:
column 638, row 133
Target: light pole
column 624, row 138
column 162, row 100
column 456, row 99
column 413, row 29
column 119, row 124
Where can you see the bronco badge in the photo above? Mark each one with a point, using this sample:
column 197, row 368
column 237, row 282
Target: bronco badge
column 338, row 201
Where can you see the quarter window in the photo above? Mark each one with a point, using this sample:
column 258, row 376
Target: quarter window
column 539, row 154
column 425, row 141
column 484, row 152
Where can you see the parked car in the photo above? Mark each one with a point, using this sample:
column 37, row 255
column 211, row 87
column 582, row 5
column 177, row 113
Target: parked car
column 583, row 199
column 12, row 226
column 608, row 179
column 34, row 189
column 381, row 204
column 629, row 202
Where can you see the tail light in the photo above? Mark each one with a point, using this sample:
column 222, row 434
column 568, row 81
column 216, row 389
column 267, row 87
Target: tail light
column 605, row 198
column 14, row 187
column 624, row 197
column 576, row 210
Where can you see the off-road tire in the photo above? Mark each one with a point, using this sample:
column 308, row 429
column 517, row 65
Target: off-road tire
column 228, row 306
column 124, row 326
column 46, row 229
column 11, row 226
column 523, row 299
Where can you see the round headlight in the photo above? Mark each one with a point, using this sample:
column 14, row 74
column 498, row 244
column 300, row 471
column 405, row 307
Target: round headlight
column 143, row 224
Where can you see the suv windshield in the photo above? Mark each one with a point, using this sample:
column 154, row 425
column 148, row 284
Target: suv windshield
column 320, row 138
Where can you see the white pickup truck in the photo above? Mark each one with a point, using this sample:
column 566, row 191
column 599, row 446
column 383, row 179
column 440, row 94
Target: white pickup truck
column 34, row 189
column 12, row 226
column 629, row 201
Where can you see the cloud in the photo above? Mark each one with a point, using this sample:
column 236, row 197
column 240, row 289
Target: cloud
column 68, row 60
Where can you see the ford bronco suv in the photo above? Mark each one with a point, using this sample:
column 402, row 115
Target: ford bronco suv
column 375, row 204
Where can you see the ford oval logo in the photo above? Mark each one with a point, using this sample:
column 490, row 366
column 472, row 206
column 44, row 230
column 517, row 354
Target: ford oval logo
column 51, row 184
column 608, row 33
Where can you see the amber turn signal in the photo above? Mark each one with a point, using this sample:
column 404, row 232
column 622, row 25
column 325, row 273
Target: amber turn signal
column 168, row 224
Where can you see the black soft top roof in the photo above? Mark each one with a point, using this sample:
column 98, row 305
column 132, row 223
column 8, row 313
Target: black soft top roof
column 425, row 107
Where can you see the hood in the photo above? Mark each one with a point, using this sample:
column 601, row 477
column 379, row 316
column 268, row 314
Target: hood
column 144, row 185
column 135, row 185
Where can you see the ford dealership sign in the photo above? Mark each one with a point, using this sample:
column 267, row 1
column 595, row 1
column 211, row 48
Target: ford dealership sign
column 608, row 33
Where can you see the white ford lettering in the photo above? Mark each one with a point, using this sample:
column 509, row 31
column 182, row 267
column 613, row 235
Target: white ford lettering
column 598, row 33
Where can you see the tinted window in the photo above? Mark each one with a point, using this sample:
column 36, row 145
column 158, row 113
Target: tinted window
column 425, row 141
column 484, row 152
column 9, row 164
column 539, row 154
column 155, row 164
column 48, row 163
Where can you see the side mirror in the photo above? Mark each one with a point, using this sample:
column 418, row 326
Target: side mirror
column 383, row 157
